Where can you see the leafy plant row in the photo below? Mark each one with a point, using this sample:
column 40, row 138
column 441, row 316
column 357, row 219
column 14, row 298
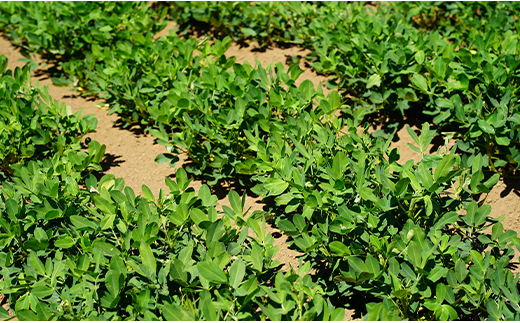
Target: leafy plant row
column 470, row 93
column 34, row 127
column 105, row 254
column 361, row 199
column 199, row 104
column 393, row 234
column 454, row 62
column 74, row 248
column 64, row 33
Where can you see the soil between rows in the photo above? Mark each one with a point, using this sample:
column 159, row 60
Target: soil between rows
column 130, row 153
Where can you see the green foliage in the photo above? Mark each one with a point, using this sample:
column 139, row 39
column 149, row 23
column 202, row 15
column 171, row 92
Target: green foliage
column 104, row 253
column 406, row 236
column 68, row 32
column 34, row 127
column 453, row 61
column 263, row 21
column 205, row 105
column 393, row 232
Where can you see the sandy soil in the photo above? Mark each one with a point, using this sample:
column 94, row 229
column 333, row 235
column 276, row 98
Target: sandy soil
column 131, row 154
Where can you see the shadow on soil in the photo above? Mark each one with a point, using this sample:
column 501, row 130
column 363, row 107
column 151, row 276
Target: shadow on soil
column 108, row 161
column 512, row 185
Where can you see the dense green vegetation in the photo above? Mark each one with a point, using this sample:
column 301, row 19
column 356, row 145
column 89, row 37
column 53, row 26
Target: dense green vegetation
column 406, row 236
column 455, row 62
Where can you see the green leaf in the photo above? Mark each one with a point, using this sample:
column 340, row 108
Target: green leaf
column 401, row 186
column 360, row 170
column 215, row 231
column 209, row 310
column 174, row 188
column 424, row 175
column 372, row 265
column 3, row 312
column 107, row 222
column 307, row 90
column 374, row 80
column 105, row 206
column 80, row 222
column 503, row 141
column 437, row 273
column 481, row 214
column 414, row 252
column 198, row 216
column 275, row 186
column 235, row 201
column 440, row 68
column 212, row 272
column 64, row 243
column 334, row 100
column 173, row 312
column 236, row 273
column 420, row 82
column 357, row 264
column 448, row 218
column 177, row 271
column 419, row 57
column 205, row 196
column 27, row 315
column 444, row 103
column 444, row 168
column 257, row 258
column 486, row 127
column 478, row 261
column 460, row 270
column 248, row 32
column 72, row 186
column 41, row 290
column 338, row 248
column 182, row 179
column 393, row 266
column 493, row 310
column 497, row 231
column 147, row 256
column 440, row 292
column 300, row 147
column 166, row 158
column 113, row 282
column 366, row 194
column 299, row 222
column 470, row 212
column 451, row 311
column 286, row 225
column 337, row 315
column 148, row 193
column 412, row 134
column 37, row 263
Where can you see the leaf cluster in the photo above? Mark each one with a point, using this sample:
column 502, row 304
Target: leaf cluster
column 103, row 253
column 391, row 232
column 454, row 62
column 33, row 126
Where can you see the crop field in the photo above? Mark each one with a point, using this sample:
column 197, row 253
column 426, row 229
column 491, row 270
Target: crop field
column 254, row 161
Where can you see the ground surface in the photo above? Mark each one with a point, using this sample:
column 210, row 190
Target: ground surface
column 130, row 154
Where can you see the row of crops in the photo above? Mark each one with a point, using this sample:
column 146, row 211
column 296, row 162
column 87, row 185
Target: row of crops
column 407, row 237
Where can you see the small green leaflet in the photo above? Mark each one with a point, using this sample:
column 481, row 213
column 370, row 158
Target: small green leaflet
column 236, row 273
column 147, row 256
column 420, row 82
column 212, row 272
column 374, row 80
column 275, row 186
